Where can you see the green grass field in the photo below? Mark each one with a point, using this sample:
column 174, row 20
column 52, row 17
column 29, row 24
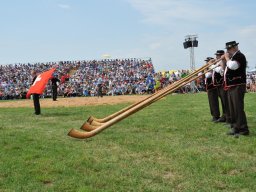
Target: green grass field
column 169, row 146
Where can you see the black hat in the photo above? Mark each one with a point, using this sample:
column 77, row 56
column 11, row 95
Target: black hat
column 219, row 52
column 231, row 44
column 208, row 59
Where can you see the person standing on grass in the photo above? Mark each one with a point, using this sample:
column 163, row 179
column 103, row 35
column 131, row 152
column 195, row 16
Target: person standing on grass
column 212, row 93
column 55, row 82
column 36, row 96
column 218, row 81
column 235, row 83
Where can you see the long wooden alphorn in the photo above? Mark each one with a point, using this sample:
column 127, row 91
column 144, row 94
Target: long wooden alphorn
column 82, row 135
column 87, row 127
column 98, row 122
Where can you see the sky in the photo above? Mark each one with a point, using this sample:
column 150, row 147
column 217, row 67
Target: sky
column 60, row 30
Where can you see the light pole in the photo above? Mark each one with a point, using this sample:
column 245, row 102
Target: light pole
column 191, row 42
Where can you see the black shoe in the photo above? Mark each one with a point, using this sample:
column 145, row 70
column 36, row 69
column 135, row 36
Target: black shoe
column 244, row 132
column 214, row 119
column 221, row 120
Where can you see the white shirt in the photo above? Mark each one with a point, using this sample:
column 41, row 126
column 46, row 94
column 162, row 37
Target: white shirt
column 219, row 68
column 208, row 75
column 233, row 65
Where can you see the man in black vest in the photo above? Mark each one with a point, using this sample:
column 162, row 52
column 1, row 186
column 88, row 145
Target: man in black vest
column 235, row 83
column 36, row 96
column 212, row 93
column 55, row 82
column 218, row 81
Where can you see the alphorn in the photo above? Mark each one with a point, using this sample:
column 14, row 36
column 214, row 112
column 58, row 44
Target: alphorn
column 92, row 123
column 97, row 122
column 92, row 128
column 82, row 135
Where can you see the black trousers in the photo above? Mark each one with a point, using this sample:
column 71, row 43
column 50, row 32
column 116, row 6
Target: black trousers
column 54, row 93
column 236, row 107
column 36, row 104
column 224, row 103
column 214, row 102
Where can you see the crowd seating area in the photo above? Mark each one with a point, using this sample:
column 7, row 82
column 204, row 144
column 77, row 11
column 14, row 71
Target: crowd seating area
column 79, row 78
column 119, row 76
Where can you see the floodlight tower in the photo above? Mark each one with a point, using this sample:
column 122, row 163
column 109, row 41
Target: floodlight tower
column 191, row 42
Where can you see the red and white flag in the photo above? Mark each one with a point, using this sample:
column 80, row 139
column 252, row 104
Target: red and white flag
column 40, row 83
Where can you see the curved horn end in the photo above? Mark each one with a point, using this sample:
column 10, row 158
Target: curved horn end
column 78, row 134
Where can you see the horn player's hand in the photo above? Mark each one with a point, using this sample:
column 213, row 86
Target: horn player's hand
column 226, row 56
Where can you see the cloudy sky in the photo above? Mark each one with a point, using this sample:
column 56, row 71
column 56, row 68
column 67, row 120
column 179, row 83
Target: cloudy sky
column 54, row 30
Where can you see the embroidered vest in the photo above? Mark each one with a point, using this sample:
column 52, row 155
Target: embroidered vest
column 209, row 83
column 238, row 76
column 217, row 79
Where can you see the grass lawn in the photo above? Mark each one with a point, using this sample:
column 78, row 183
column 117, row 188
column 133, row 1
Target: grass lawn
column 168, row 146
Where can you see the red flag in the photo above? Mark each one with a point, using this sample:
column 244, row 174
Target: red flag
column 40, row 83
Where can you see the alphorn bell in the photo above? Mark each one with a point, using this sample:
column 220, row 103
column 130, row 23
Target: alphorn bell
column 82, row 135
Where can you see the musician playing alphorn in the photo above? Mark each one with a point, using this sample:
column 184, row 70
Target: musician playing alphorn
column 235, row 83
column 218, row 81
column 212, row 93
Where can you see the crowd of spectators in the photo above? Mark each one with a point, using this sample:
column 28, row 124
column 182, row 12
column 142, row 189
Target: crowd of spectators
column 79, row 78
column 119, row 77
